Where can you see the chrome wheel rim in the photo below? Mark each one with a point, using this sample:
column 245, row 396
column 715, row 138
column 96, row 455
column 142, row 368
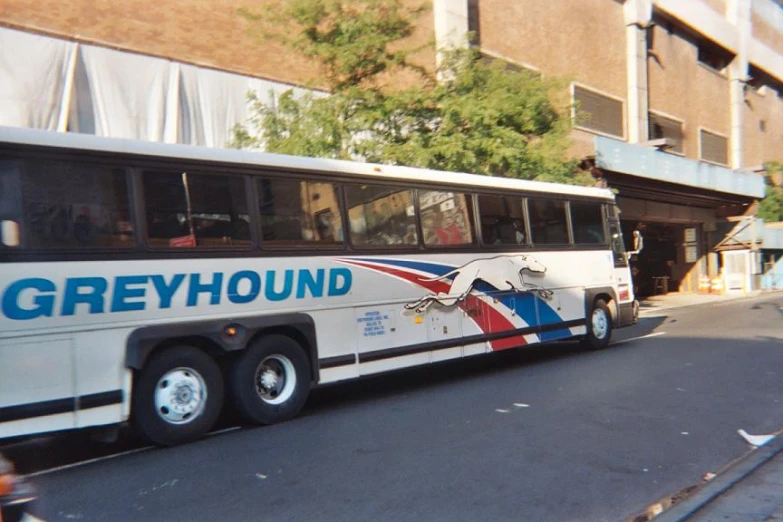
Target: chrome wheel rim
column 600, row 323
column 180, row 396
column 275, row 379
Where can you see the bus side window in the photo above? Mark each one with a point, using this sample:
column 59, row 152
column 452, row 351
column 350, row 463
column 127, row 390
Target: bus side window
column 548, row 224
column 502, row 220
column 381, row 215
column 73, row 205
column 299, row 212
column 446, row 218
column 588, row 223
column 187, row 210
column 10, row 203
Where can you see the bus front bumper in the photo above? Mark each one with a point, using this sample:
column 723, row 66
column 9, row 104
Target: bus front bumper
column 628, row 314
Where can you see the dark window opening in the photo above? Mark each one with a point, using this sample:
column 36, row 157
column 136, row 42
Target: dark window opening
column 548, row 223
column 588, row 223
column 186, row 210
column 381, row 216
column 68, row 205
column 299, row 212
column 502, row 220
column 663, row 127
column 714, row 56
column 474, row 21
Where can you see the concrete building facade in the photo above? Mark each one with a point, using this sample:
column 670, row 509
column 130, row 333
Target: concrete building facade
column 678, row 103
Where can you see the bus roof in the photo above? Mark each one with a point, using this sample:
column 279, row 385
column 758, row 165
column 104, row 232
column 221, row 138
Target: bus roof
column 87, row 142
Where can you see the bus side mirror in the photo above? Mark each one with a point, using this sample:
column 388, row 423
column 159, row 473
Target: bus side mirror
column 638, row 243
column 9, row 233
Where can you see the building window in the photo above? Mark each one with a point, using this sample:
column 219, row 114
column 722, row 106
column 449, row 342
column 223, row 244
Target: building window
column 714, row 147
column 598, row 112
column 714, row 56
column 663, row 127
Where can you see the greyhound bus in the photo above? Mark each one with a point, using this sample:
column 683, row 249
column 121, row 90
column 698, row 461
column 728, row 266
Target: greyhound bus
column 155, row 284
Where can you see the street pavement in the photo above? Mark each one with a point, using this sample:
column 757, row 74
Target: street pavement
column 546, row 433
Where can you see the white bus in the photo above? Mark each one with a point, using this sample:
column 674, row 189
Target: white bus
column 157, row 283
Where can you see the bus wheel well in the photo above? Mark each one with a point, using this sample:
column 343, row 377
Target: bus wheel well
column 610, row 302
column 298, row 336
column 204, row 344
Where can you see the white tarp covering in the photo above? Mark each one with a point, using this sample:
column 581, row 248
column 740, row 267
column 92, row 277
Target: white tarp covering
column 121, row 95
column 48, row 83
column 33, row 74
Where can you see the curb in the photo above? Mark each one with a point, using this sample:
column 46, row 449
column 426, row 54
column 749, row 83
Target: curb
column 710, row 303
column 734, row 474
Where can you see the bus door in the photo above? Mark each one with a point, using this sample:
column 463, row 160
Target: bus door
column 36, row 385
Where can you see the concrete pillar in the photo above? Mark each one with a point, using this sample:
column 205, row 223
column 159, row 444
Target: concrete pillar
column 638, row 14
column 451, row 24
column 738, row 14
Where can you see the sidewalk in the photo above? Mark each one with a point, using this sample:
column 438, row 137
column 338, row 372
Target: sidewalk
column 659, row 303
column 751, row 489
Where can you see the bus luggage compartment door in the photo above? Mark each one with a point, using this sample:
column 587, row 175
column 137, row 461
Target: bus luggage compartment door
column 36, row 385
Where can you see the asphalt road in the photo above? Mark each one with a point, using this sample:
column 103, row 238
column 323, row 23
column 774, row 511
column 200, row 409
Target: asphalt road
column 550, row 433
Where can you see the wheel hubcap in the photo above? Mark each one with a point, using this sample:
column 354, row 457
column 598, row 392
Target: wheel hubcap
column 180, row 396
column 275, row 379
column 600, row 323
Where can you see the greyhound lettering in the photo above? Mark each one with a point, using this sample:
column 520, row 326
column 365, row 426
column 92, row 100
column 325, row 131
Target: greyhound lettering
column 502, row 272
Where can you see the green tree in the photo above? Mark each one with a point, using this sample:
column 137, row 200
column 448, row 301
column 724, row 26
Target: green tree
column 482, row 117
column 771, row 207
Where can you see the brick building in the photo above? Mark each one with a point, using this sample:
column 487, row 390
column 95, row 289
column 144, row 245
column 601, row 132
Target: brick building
column 680, row 101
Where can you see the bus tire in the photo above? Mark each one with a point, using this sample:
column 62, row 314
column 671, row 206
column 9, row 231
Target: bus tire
column 599, row 326
column 270, row 381
column 178, row 396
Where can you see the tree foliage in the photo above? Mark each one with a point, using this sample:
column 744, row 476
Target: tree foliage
column 482, row 117
column 771, row 207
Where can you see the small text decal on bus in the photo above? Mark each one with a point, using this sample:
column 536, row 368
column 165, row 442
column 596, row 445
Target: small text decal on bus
column 34, row 297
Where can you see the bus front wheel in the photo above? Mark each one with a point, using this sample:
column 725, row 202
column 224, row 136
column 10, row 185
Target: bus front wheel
column 178, row 396
column 599, row 326
column 270, row 381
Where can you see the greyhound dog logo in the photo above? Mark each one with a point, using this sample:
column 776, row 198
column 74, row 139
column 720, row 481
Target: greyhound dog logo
column 504, row 272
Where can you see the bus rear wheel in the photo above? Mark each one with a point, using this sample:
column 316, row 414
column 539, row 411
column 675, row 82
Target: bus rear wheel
column 599, row 326
column 270, row 381
column 178, row 396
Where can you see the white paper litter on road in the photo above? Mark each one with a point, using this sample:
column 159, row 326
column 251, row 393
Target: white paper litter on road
column 521, row 405
column 685, row 433
column 501, row 410
column 260, row 476
column 755, row 440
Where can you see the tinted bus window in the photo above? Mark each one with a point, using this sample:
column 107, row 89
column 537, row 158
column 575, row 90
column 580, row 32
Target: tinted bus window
column 73, row 205
column 502, row 220
column 381, row 215
column 548, row 224
column 588, row 223
column 186, row 210
column 299, row 212
column 445, row 218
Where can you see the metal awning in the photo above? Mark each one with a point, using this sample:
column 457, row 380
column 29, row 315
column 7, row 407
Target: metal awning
column 670, row 175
